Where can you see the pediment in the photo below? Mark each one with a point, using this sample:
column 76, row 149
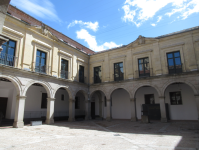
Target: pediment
column 44, row 31
column 141, row 41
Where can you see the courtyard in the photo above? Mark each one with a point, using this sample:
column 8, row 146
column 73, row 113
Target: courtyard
column 97, row 134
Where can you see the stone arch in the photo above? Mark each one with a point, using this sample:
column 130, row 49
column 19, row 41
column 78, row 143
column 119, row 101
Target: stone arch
column 44, row 84
column 66, row 88
column 179, row 81
column 83, row 92
column 93, row 92
column 139, row 86
column 16, row 83
column 114, row 88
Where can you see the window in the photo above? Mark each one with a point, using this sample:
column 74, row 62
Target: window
column 118, row 72
column 174, row 62
column 40, row 65
column 44, row 100
column 175, row 98
column 62, row 97
column 97, row 74
column 81, row 74
column 7, row 56
column 143, row 65
column 77, row 103
column 64, row 69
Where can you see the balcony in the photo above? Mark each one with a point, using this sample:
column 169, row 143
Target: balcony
column 7, row 59
column 175, row 69
column 41, row 68
column 97, row 79
column 144, row 73
column 64, row 74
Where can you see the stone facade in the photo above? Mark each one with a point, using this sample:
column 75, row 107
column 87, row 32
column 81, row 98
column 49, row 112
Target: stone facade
column 31, row 38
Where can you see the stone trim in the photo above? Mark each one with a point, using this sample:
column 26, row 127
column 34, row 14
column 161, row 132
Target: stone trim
column 121, row 56
column 144, row 51
column 172, row 45
column 42, row 43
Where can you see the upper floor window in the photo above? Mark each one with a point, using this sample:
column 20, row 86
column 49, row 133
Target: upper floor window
column 7, row 56
column 143, row 65
column 40, row 65
column 97, row 74
column 174, row 62
column 81, row 74
column 118, row 71
column 64, row 69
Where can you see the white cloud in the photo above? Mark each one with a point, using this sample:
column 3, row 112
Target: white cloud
column 159, row 18
column 44, row 9
column 138, row 11
column 153, row 24
column 89, row 25
column 91, row 40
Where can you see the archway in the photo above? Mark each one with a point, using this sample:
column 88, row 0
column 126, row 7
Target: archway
column 147, row 95
column 61, row 109
column 80, row 105
column 98, row 101
column 120, row 104
column 181, row 100
column 36, row 103
column 9, row 89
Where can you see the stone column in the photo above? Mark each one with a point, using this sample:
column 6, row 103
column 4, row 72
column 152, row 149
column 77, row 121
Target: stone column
column 87, row 110
column 197, row 103
column 19, row 112
column 108, row 110
column 71, row 110
column 133, row 113
column 162, row 109
column 50, row 110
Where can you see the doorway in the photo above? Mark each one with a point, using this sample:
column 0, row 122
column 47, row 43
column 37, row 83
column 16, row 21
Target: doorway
column 149, row 99
column 3, row 105
column 93, row 110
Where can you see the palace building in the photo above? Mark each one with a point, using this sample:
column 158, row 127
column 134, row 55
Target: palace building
column 45, row 74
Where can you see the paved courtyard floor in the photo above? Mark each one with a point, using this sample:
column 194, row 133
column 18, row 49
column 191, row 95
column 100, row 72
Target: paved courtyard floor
column 97, row 135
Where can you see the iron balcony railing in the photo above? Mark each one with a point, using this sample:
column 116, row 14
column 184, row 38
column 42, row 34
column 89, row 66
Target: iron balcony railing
column 144, row 73
column 64, row 74
column 7, row 59
column 41, row 68
column 175, row 69
column 97, row 79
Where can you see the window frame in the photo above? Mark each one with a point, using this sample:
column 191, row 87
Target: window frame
column 41, row 52
column 81, row 79
column 175, row 98
column 173, row 58
column 120, row 78
column 144, row 74
column 61, row 74
column 100, row 80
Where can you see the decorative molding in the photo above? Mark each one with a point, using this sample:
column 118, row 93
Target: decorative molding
column 101, row 60
column 65, row 53
column 42, row 43
column 79, row 59
column 145, row 51
column 121, row 56
column 13, row 31
column 172, row 45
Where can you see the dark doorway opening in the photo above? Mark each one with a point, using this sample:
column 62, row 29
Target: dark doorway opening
column 3, row 105
column 93, row 110
column 149, row 99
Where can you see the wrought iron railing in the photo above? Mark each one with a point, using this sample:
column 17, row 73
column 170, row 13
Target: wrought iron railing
column 41, row 68
column 175, row 69
column 144, row 73
column 7, row 59
column 64, row 74
column 97, row 79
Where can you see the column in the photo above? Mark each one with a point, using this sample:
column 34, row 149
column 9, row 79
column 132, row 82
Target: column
column 87, row 110
column 197, row 103
column 108, row 110
column 133, row 113
column 50, row 111
column 162, row 109
column 19, row 112
column 71, row 110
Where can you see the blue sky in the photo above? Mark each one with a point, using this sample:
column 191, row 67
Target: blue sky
column 105, row 24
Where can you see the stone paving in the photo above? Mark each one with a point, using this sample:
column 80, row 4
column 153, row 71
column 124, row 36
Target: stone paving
column 97, row 135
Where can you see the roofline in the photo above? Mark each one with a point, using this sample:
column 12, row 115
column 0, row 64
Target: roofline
column 50, row 27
